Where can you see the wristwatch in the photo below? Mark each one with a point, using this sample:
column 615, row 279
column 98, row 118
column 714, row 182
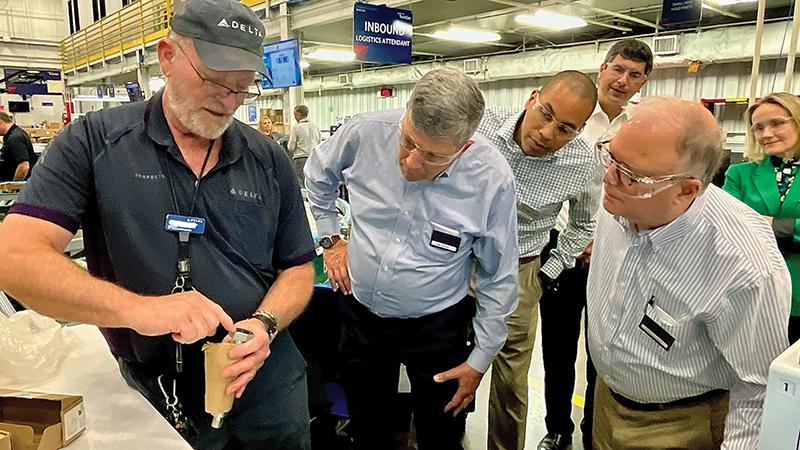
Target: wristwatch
column 269, row 320
column 328, row 241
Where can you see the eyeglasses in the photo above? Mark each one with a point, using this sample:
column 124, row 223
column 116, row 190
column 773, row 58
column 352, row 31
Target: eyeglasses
column 631, row 179
column 759, row 128
column 433, row 158
column 253, row 91
column 620, row 71
column 544, row 116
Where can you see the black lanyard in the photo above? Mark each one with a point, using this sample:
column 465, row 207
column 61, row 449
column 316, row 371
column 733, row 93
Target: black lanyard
column 183, row 281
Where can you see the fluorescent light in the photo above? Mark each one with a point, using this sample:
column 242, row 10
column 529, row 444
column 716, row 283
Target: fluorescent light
column 325, row 54
column 466, row 35
column 549, row 19
column 304, row 64
column 731, row 2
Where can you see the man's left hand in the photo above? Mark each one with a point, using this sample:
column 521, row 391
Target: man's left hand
column 468, row 381
column 251, row 356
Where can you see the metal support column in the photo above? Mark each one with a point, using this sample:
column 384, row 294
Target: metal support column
column 788, row 78
column 757, row 52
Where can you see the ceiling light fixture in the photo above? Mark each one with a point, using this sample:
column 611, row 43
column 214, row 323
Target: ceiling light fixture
column 462, row 34
column 552, row 20
column 324, row 54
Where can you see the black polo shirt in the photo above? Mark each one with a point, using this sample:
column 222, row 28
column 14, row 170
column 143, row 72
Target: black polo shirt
column 17, row 148
column 110, row 173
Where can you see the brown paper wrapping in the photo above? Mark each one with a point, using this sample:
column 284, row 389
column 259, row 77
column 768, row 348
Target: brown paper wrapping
column 217, row 401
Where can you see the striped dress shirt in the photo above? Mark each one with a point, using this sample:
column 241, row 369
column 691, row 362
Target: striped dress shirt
column 717, row 283
column 543, row 184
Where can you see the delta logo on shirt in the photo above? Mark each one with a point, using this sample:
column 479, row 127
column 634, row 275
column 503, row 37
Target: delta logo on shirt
column 240, row 26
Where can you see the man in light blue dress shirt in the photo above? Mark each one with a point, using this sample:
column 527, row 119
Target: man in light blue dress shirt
column 428, row 199
column 688, row 294
column 550, row 167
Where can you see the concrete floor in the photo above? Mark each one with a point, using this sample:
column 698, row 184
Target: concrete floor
column 475, row 438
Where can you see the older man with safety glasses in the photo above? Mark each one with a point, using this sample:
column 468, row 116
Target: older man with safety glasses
column 428, row 198
column 550, row 167
column 688, row 295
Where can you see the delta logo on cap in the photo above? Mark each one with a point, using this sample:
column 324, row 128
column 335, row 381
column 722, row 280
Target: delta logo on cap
column 240, row 26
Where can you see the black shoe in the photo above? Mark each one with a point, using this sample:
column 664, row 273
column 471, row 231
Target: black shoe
column 555, row 441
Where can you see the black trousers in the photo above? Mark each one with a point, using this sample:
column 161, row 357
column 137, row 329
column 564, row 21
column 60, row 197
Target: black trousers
column 373, row 349
column 794, row 329
column 561, row 327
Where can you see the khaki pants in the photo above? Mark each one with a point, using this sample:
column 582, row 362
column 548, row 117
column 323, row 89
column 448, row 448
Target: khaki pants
column 508, row 397
column 698, row 426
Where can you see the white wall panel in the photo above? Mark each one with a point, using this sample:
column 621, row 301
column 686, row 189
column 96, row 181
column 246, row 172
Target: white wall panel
column 29, row 31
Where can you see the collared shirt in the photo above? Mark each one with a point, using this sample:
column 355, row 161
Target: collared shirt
column 303, row 138
column 395, row 269
column 110, row 173
column 543, row 184
column 599, row 123
column 718, row 285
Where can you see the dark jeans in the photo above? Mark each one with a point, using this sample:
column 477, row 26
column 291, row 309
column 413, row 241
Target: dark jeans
column 561, row 327
column 267, row 417
column 794, row 329
column 373, row 349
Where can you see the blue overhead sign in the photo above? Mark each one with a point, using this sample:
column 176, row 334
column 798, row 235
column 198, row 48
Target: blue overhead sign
column 675, row 12
column 382, row 34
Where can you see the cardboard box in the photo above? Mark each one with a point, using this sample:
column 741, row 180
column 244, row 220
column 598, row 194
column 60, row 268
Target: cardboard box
column 5, row 441
column 38, row 421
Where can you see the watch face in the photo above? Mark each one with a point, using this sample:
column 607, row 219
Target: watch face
column 326, row 242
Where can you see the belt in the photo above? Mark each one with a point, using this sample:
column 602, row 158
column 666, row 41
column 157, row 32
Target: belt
column 527, row 259
column 631, row 404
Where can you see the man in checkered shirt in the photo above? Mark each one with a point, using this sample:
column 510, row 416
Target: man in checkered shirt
column 550, row 167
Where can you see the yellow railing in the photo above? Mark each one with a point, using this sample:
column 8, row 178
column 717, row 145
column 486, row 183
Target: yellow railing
column 134, row 25
column 139, row 23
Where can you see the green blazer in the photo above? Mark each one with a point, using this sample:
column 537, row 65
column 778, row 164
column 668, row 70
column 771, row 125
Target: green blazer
column 754, row 184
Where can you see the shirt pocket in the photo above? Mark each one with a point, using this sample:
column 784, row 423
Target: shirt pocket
column 441, row 242
column 249, row 229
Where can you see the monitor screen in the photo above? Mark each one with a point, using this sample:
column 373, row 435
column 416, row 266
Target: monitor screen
column 19, row 107
column 283, row 64
column 135, row 93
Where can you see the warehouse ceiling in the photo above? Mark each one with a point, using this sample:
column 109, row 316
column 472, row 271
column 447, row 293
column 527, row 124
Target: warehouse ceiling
column 608, row 19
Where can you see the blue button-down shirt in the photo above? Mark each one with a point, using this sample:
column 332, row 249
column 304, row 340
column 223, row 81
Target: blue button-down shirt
column 395, row 270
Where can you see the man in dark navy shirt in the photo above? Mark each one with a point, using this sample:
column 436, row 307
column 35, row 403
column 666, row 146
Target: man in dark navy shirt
column 16, row 156
column 173, row 193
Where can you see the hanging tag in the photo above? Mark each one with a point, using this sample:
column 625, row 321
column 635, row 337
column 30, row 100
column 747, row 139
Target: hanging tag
column 193, row 225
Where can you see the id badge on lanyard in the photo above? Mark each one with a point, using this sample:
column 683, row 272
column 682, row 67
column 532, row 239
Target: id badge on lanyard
column 185, row 226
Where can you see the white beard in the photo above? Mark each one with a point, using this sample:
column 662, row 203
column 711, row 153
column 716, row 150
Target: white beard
column 190, row 116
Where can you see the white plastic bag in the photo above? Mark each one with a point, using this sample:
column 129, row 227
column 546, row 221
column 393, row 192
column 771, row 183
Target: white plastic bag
column 32, row 347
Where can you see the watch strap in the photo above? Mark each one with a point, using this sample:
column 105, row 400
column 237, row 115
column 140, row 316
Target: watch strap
column 269, row 320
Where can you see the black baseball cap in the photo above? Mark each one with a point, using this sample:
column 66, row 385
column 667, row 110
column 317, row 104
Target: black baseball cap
column 226, row 34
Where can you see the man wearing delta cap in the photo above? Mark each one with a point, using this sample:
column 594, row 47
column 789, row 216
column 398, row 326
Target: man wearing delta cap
column 129, row 177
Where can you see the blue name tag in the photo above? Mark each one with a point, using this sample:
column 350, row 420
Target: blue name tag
column 194, row 225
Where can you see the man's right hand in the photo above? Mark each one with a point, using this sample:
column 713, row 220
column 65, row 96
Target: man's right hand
column 336, row 265
column 188, row 316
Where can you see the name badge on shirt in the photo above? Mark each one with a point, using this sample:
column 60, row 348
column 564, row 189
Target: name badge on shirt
column 445, row 238
column 651, row 327
column 526, row 212
column 193, row 225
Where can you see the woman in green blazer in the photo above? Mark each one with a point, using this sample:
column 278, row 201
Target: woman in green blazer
column 766, row 181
